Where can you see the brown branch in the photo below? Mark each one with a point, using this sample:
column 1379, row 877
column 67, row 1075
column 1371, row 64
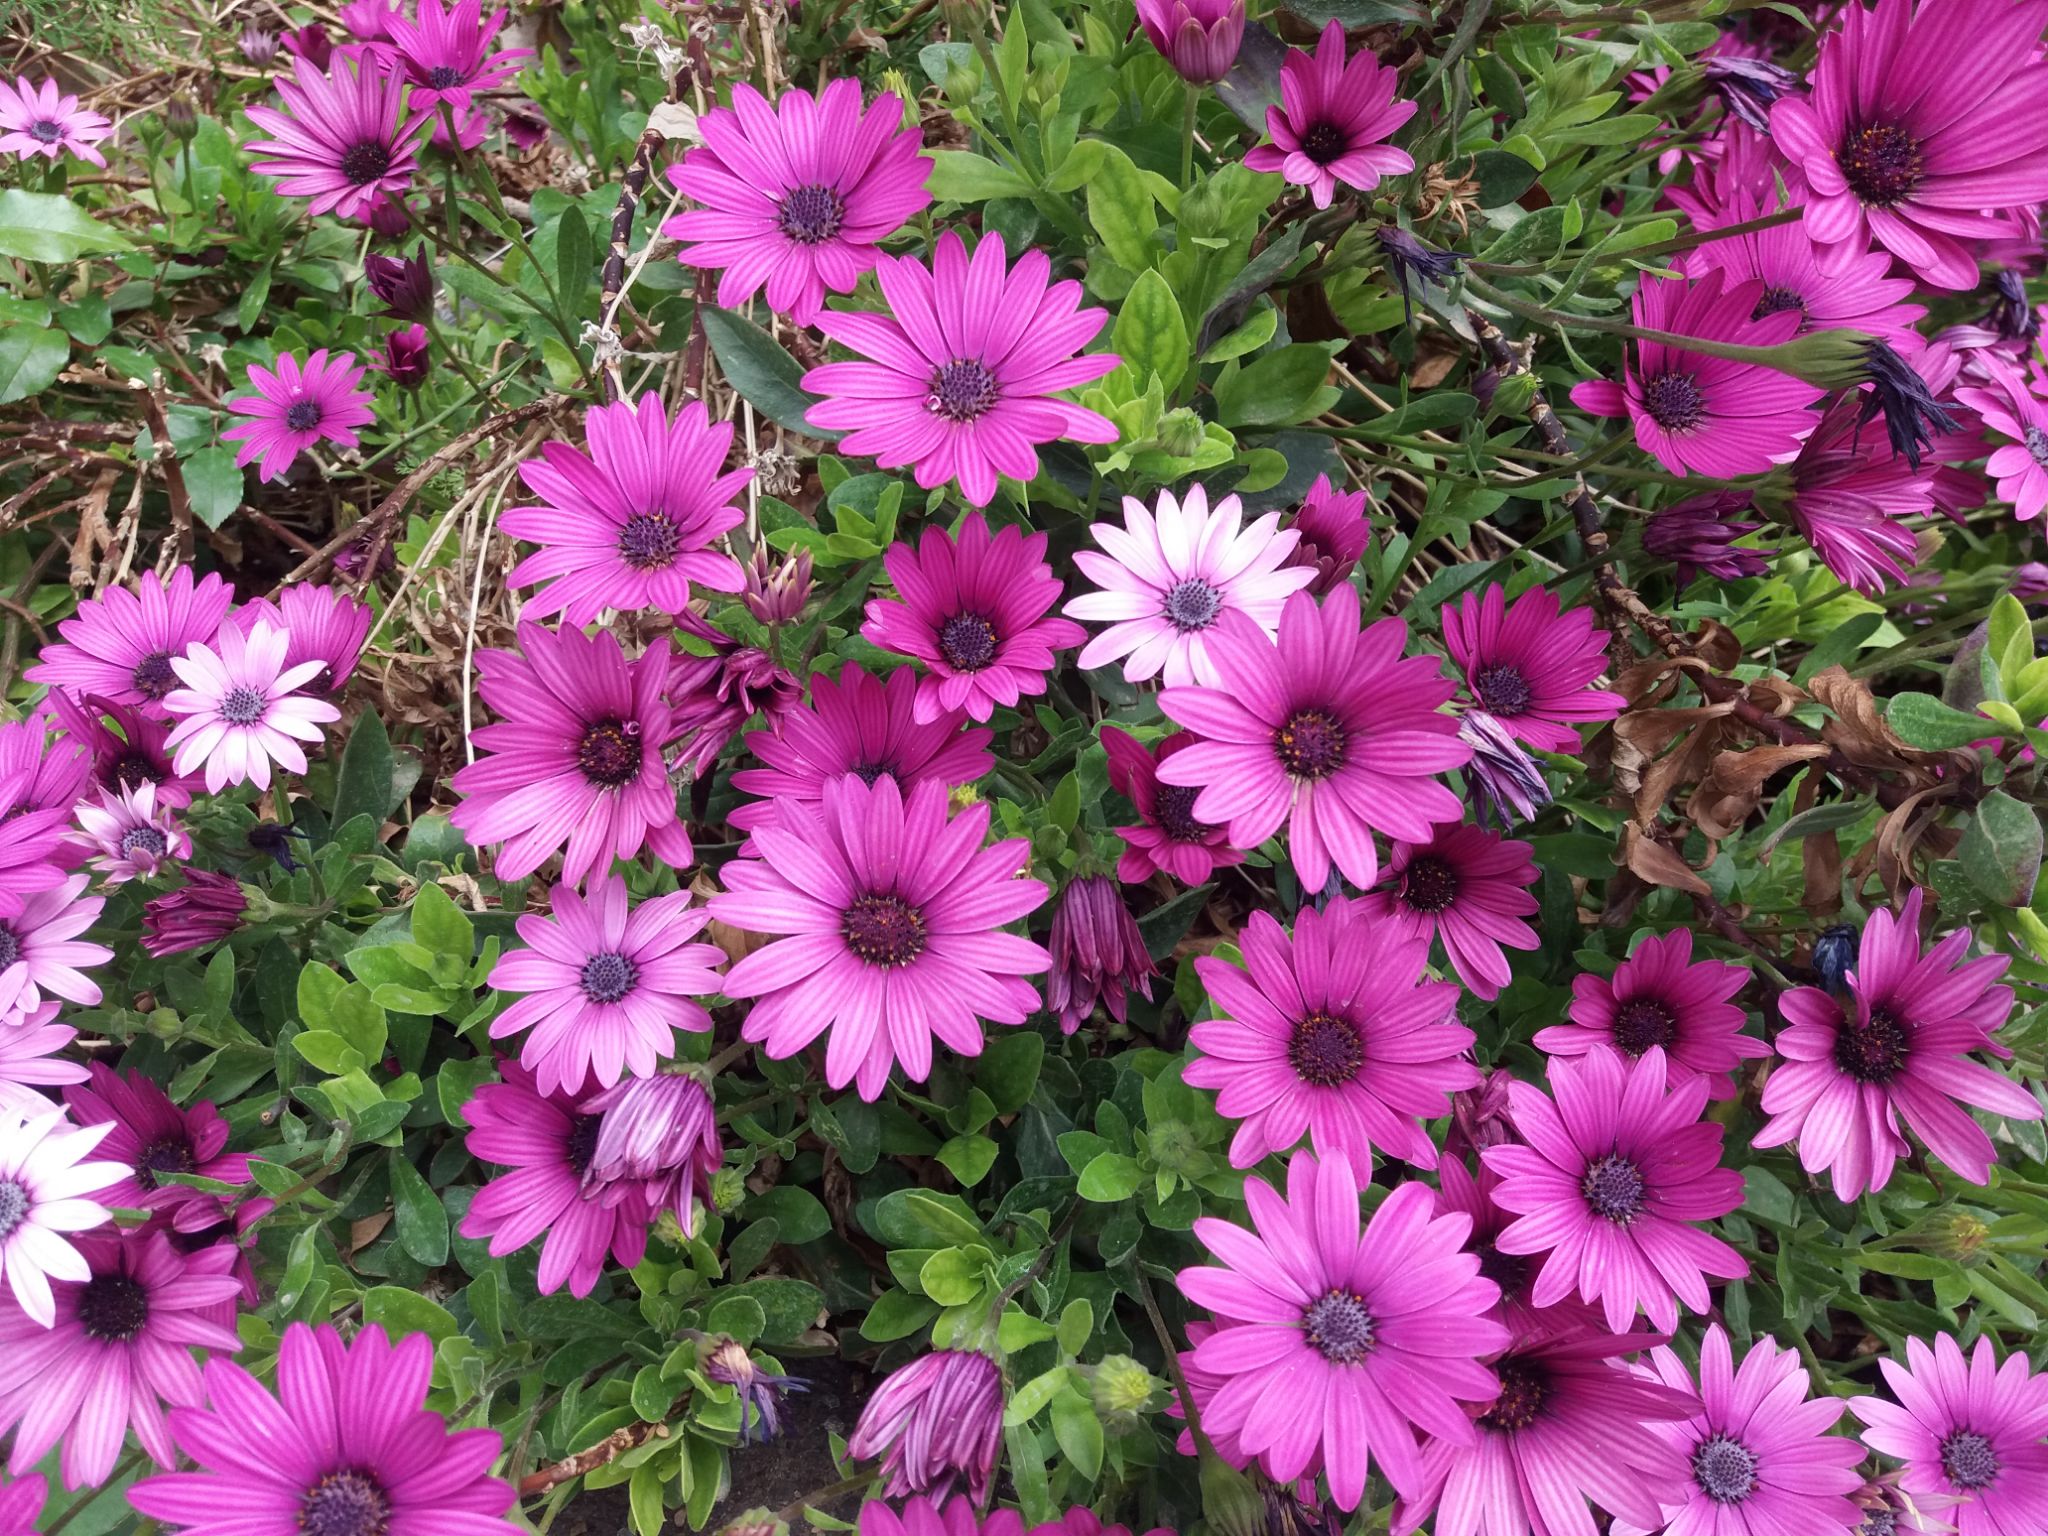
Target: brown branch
column 607, row 1450
column 174, row 472
column 612, row 276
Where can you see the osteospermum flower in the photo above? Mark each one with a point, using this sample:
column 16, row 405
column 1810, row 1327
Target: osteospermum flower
column 238, row 711
column 1852, row 496
column 1530, row 664
column 2016, row 411
column 1333, row 532
column 346, row 1447
column 123, row 759
column 631, row 525
column 1167, row 837
column 135, row 837
column 966, row 368
column 40, row 950
column 346, row 140
column 1098, row 954
column 322, row 624
column 21, row 1502
column 1615, row 1173
column 1199, row 38
column 1922, row 119
column 1330, row 732
column 1347, row 1342
column 575, row 758
column 935, row 1423
column 1697, row 414
column 446, row 52
column 798, row 194
column 863, row 725
column 119, row 1351
column 30, row 1060
column 1757, row 1447
column 1333, row 120
column 1471, row 1195
column 1901, row 1050
column 149, row 1135
column 1168, row 578
column 1471, row 888
column 204, row 910
column 607, row 985
column 44, row 1179
column 657, row 1141
column 41, row 120
column 120, row 644
column 1333, row 1033
column 35, row 856
column 974, row 612
column 1968, row 1431
column 894, row 915
column 41, row 769
column 297, row 405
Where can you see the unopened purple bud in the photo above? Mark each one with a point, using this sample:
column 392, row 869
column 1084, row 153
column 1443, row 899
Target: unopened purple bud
column 405, row 284
column 1502, row 780
column 657, row 1137
column 527, row 131
column 776, row 594
column 2030, row 581
column 312, row 44
column 1199, row 38
column 1097, row 953
column 258, row 44
column 935, row 1423
column 406, row 358
column 1698, row 536
column 1834, row 955
column 204, row 910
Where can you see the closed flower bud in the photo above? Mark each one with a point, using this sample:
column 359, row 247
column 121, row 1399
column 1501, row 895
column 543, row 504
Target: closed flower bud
column 1097, row 952
column 405, row 357
column 1698, row 536
column 656, row 1137
column 935, row 1424
column 1834, row 955
column 1334, row 533
column 181, row 118
column 204, row 910
column 405, row 284
column 760, row 1392
column 1180, row 433
column 1199, row 38
column 776, row 593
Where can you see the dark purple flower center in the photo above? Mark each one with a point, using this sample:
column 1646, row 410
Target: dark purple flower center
column 443, row 77
column 112, row 1308
column 303, row 415
column 1502, row 688
column 1325, row 1050
column 1969, row 1459
column 149, row 842
column 1324, row 142
column 1776, row 301
column 132, row 770
column 608, row 978
column 153, row 677
column 1642, row 1023
column 1673, row 401
column 1875, row 1052
column 10, row 947
column 1725, row 1469
column 580, row 1146
column 13, row 1207
column 46, row 132
column 167, row 1154
column 1193, row 604
column 884, row 930
column 962, row 391
column 345, row 1503
column 243, row 705
column 649, row 541
column 1881, row 163
column 1523, row 1387
column 1338, row 1327
column 366, row 162
column 320, row 684
column 1428, row 885
column 1509, row 1271
column 1614, row 1188
column 1879, row 1522
column 968, row 642
column 872, row 774
column 609, row 753
column 811, row 215
column 1173, row 807
column 1310, row 744
column 2037, row 445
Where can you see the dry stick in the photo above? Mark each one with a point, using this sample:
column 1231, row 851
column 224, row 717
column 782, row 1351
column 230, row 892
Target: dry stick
column 174, row 473
column 612, row 277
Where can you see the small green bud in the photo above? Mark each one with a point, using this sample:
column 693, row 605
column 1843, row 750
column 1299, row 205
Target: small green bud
column 1181, row 433
column 1124, row 1389
column 1230, row 1503
column 1830, row 359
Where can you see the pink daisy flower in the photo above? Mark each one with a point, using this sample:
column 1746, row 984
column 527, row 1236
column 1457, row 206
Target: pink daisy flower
column 2016, row 411
column 798, row 195
column 21, row 1503
column 1969, row 1431
column 1530, row 665
column 1661, row 997
column 1846, row 1079
column 1333, row 1033
column 1167, row 838
column 40, row 950
column 1614, row 1176
column 127, row 758
column 1461, row 1192
column 120, row 644
column 1334, row 119
column 1199, row 38
column 1347, row 1342
column 975, row 613
column 29, row 1061
column 1167, row 580
column 1330, row 732
column 134, row 836
column 322, row 624
column 1696, row 414
column 548, row 1140
column 935, row 1423
column 296, row 406
column 41, row 120
column 1921, row 119
column 445, row 51
column 858, row 724
column 1469, row 887
column 1852, row 494
column 239, row 711
column 607, row 987
column 346, row 140
column 34, row 856
column 149, row 1135
column 631, row 525
column 575, row 758
column 1333, row 530
column 41, row 768
column 347, row 1445
column 966, row 368
column 119, row 1351
column 895, row 916
column 44, row 1180
column 1757, row 1446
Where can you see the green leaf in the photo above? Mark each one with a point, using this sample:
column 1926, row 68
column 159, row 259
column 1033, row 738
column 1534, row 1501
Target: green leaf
column 1151, row 336
column 1077, row 1325
column 575, row 259
column 968, row 1158
column 442, row 926
column 417, row 1216
column 31, row 357
column 790, row 1306
column 1921, row 720
column 1279, row 388
column 958, row 176
column 1120, row 208
column 1007, row 1069
column 953, row 1276
column 740, row 1316
column 1079, row 1432
column 2009, row 640
column 328, row 1051
column 402, row 1312
column 643, row 1498
column 363, row 785
column 799, row 1215
column 897, row 1315
column 1030, row 1398
column 249, row 308
column 1109, row 1177
column 213, row 481
column 756, row 365
column 41, row 226
column 916, row 1218
column 2001, row 850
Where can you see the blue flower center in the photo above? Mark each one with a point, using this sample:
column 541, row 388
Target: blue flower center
column 884, row 930
column 2037, row 445
column 1642, row 1023
column 608, row 978
column 1428, row 885
column 149, row 842
column 1882, row 164
column 1614, row 1188
column 1174, row 809
column 1875, row 1052
column 1776, row 301
column 1725, row 1469
column 811, row 215
column 1524, row 1386
column 1969, row 1460
column 10, row 947
column 168, row 1154
column 1193, row 604
column 1325, row 142
column 112, row 1308
column 1338, row 1327
column 1325, row 1049
column 443, row 77
column 243, row 705
column 345, row 1503
column 13, row 1207
column 968, row 642
column 649, row 541
column 962, row 391
column 303, row 415
column 46, row 132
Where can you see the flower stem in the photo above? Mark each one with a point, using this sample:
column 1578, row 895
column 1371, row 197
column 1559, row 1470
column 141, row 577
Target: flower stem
column 1187, row 137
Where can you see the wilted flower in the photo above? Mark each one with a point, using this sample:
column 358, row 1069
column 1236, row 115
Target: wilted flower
column 1334, row 531
column 934, row 1423
column 258, row 44
column 404, row 283
column 1411, row 261
column 1912, row 416
column 354, row 558
column 274, row 841
column 1834, row 955
column 776, row 594
column 1097, row 952
column 1748, row 86
column 2030, row 581
column 404, row 358
column 1479, row 1116
column 204, row 910
column 1199, row 38
column 2012, row 316
column 1501, row 778
column 713, row 696
column 760, row 1392
column 657, row 1138
column 1699, row 534
column 526, row 130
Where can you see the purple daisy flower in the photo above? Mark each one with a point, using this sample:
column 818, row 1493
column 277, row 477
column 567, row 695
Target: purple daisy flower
column 1530, row 665
column 1333, row 531
column 966, row 368
column 1969, row 1431
column 975, row 613
column 44, row 1180
column 1614, row 1176
column 935, row 1423
column 41, row 768
column 1852, row 496
column 150, row 1135
column 240, row 711
column 29, row 1061
column 119, row 645
column 1331, row 732
column 798, row 194
column 296, row 406
column 1346, row 1342
column 1168, row 578
column 657, row 1145
column 41, row 120
column 446, row 52
column 1333, row 1033
column 40, row 950
column 1334, row 119
column 347, row 1447
column 322, row 624
column 2016, row 411
column 204, row 910
column 1470, row 887
column 895, row 915
column 1902, row 1051
column 863, row 725
column 119, row 1351
column 1167, row 838
column 134, row 836
column 1757, row 1447
column 631, row 525
column 1660, row 996
column 21, row 1504
column 575, row 758
column 1098, row 954
column 346, row 140
column 406, row 359
column 1199, row 38
column 127, row 758
column 607, row 985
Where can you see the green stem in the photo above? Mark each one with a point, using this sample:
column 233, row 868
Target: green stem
column 1187, row 137
column 461, row 363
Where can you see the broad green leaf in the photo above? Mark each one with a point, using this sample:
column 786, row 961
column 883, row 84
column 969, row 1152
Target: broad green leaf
column 41, row 226
column 417, row 1216
column 1120, row 207
column 756, row 365
column 404, row 1312
column 958, row 176
column 363, row 786
column 1110, row 1177
column 440, row 925
column 1150, row 333
column 213, row 482
column 2001, row 850
column 31, row 357
column 1923, row 721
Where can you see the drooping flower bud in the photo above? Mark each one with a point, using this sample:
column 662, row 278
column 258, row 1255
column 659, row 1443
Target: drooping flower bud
column 1097, row 953
column 404, row 283
column 1698, row 536
column 204, row 910
column 1199, row 38
column 935, row 1423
